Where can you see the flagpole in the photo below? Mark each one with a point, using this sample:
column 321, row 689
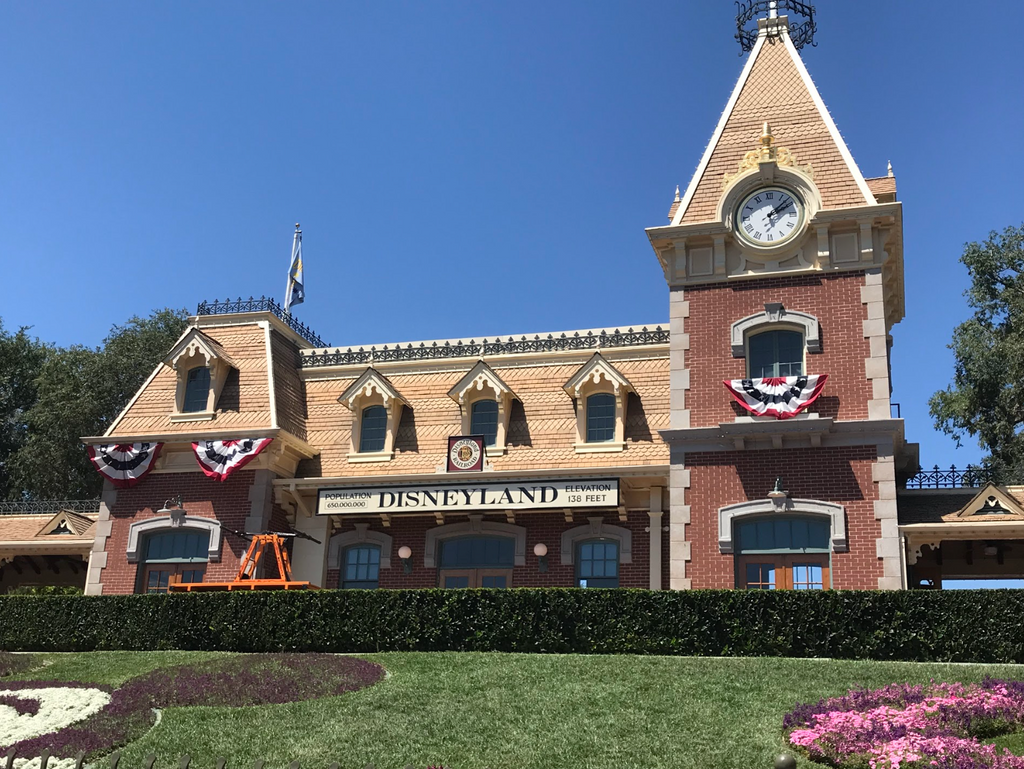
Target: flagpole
column 288, row 285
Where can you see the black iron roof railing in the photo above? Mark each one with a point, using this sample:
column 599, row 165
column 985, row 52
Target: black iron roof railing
column 41, row 506
column 800, row 32
column 970, row 477
column 263, row 304
column 471, row 348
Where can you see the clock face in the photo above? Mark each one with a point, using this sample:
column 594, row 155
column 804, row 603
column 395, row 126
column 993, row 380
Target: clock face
column 769, row 216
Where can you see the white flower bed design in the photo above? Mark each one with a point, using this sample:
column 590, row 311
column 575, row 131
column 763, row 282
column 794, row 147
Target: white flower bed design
column 59, row 706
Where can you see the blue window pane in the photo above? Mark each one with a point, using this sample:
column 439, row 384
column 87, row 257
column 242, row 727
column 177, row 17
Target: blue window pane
column 456, row 581
column 808, row 576
column 483, row 421
column 373, row 426
column 493, row 581
column 785, row 534
column 597, row 564
column 478, row 553
column 197, row 389
column 760, row 576
column 601, row 418
column 178, row 546
column 775, row 354
column 362, row 567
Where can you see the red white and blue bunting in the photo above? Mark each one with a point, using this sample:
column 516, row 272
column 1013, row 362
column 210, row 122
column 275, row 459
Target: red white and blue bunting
column 124, row 464
column 779, row 397
column 218, row 459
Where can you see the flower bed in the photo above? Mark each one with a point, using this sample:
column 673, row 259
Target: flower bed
column 108, row 718
column 938, row 726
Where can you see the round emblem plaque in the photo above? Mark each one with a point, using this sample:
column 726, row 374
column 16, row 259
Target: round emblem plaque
column 464, row 453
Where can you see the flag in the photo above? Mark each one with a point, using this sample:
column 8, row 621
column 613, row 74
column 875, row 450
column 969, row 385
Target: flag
column 296, row 291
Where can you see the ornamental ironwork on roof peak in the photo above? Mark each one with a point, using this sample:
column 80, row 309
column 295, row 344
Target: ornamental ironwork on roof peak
column 753, row 15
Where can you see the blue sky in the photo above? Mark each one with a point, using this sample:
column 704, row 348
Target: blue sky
column 459, row 168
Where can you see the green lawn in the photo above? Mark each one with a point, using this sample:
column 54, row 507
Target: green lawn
column 515, row 711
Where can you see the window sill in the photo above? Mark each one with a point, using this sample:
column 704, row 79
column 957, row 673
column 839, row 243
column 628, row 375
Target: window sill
column 193, row 416
column 494, row 451
column 599, row 448
column 377, row 456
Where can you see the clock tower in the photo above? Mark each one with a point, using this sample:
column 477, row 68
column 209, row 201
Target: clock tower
column 785, row 272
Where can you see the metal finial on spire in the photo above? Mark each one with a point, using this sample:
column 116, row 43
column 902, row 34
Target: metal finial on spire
column 677, row 195
column 890, row 173
column 752, row 17
column 297, row 225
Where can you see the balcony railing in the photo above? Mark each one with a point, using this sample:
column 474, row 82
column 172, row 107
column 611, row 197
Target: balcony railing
column 263, row 304
column 52, row 506
column 937, row 478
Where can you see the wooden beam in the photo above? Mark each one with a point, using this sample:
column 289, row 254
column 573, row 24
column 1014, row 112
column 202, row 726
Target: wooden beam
column 386, row 520
column 510, row 516
column 568, row 515
column 623, row 516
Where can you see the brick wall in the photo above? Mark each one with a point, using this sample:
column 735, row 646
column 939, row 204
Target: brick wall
column 227, row 501
column 540, row 527
column 841, row 475
column 833, row 299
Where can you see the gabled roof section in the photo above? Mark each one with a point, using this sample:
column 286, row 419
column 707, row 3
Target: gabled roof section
column 594, row 370
column 775, row 87
column 479, row 377
column 371, row 381
column 990, row 504
column 194, row 342
column 66, row 522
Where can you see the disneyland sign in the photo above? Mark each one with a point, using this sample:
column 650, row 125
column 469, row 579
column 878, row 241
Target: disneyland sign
column 464, row 497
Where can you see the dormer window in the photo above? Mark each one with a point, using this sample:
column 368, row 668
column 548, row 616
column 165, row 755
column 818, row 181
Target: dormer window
column 777, row 353
column 601, row 418
column 373, row 429
column 484, row 420
column 202, row 366
column 197, row 389
column 601, row 393
column 486, row 403
column 376, row 408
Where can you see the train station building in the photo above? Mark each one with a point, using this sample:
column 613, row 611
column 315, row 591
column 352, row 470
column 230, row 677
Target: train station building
column 742, row 437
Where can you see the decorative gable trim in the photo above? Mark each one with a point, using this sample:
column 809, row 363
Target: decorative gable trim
column 371, row 383
column 775, row 313
column 195, row 344
column 990, row 504
column 71, row 522
column 479, row 377
column 592, row 372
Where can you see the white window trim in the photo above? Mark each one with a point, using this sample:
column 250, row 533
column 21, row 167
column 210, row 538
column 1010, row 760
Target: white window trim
column 596, row 529
column 195, row 350
column 599, row 376
column 775, row 316
column 373, row 389
column 359, row 536
column 474, row 526
column 137, row 530
column 729, row 514
column 482, row 383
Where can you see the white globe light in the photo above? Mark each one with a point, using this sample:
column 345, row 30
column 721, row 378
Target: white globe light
column 540, row 550
column 405, row 552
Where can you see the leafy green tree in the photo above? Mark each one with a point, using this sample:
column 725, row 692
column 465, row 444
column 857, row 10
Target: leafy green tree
column 20, row 360
column 80, row 391
column 986, row 399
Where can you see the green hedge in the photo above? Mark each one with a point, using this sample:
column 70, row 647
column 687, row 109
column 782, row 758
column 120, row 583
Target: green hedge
column 963, row 626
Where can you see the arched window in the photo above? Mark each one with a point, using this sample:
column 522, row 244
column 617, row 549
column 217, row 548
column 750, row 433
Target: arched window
column 373, row 427
column 477, row 562
column 777, row 553
column 484, row 420
column 174, row 556
column 778, row 353
column 197, row 389
column 360, row 567
column 597, row 563
column 600, row 418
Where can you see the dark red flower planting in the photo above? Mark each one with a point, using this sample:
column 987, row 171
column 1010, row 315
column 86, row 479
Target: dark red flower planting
column 237, row 681
column 21, row 707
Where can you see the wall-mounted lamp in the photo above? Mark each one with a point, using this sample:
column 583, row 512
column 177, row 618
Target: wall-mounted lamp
column 405, row 553
column 174, row 508
column 541, row 551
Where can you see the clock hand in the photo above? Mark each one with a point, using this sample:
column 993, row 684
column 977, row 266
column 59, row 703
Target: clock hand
column 780, row 209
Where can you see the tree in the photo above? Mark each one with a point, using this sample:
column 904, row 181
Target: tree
column 80, row 391
column 986, row 399
column 20, row 360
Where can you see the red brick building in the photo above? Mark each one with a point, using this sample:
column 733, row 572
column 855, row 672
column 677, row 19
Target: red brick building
column 609, row 457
